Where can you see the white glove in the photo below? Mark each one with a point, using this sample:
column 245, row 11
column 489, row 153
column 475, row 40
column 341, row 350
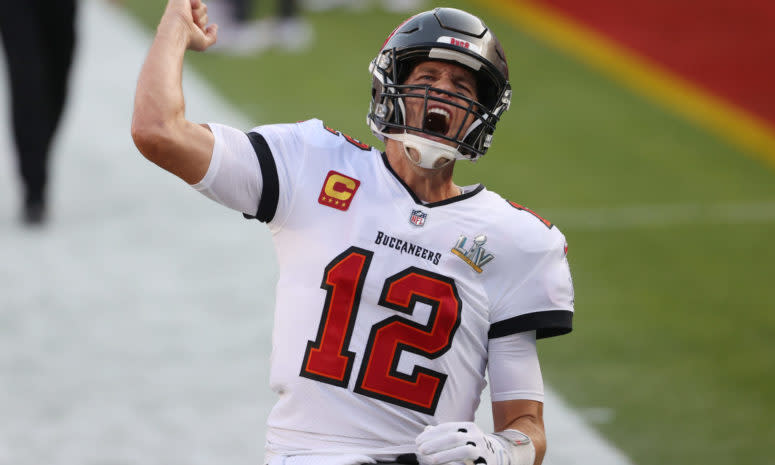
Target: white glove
column 341, row 459
column 461, row 443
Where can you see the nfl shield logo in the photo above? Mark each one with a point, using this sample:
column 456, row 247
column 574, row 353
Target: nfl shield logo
column 418, row 217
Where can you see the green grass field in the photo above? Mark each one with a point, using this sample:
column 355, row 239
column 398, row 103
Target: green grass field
column 675, row 318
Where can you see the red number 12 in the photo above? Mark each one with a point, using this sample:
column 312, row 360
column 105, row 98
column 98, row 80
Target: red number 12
column 328, row 360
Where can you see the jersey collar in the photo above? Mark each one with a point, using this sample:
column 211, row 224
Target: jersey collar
column 457, row 198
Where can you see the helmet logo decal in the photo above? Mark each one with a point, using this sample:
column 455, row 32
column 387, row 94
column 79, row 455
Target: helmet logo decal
column 459, row 43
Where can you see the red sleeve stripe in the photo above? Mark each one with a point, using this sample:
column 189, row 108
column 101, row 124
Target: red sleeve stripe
column 520, row 207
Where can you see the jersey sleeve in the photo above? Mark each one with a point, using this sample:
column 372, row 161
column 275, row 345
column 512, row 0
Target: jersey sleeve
column 281, row 151
column 260, row 172
column 538, row 295
column 233, row 177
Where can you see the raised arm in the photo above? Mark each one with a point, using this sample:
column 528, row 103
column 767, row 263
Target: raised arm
column 160, row 129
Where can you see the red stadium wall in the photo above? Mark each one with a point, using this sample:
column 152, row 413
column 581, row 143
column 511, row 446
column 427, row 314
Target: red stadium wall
column 726, row 47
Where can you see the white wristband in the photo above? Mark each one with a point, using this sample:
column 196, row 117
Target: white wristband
column 520, row 448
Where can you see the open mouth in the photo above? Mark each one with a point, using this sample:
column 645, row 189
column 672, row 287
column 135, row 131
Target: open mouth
column 437, row 120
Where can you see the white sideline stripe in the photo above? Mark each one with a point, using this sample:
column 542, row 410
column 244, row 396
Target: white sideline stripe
column 131, row 328
column 645, row 216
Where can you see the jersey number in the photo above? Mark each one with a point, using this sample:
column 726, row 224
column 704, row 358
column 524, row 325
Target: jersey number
column 328, row 360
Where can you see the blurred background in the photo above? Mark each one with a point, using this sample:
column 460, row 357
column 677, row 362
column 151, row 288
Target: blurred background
column 644, row 130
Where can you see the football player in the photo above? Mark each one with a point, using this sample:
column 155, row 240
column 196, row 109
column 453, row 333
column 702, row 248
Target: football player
column 397, row 288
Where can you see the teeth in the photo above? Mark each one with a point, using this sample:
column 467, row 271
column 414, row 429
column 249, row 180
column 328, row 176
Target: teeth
column 437, row 120
column 439, row 111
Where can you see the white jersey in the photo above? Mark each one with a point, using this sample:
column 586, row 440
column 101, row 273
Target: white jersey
column 386, row 306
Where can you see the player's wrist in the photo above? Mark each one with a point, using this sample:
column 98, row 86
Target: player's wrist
column 174, row 28
column 517, row 447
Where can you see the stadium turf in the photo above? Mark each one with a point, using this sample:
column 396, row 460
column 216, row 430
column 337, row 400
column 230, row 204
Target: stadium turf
column 670, row 230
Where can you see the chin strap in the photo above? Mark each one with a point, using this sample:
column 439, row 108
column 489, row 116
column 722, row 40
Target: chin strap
column 433, row 154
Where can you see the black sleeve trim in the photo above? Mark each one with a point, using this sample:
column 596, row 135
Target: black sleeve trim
column 546, row 324
column 270, row 193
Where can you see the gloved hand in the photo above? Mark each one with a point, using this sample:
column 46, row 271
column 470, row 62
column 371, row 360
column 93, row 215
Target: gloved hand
column 460, row 443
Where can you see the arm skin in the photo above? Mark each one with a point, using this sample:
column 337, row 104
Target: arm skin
column 526, row 416
column 159, row 127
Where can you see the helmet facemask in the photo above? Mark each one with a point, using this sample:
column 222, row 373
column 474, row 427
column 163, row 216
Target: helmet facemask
column 435, row 121
column 423, row 38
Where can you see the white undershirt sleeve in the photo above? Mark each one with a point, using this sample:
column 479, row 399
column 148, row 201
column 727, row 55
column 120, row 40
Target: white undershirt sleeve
column 513, row 368
column 233, row 178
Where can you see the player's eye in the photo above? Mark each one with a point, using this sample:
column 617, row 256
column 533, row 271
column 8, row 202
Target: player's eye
column 465, row 88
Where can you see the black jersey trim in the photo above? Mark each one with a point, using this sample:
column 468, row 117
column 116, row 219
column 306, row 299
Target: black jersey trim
column 270, row 193
column 417, row 200
column 545, row 324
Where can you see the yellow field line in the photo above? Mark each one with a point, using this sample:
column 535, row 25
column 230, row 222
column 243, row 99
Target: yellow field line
column 743, row 129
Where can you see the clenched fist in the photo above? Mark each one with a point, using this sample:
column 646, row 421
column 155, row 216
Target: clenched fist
column 193, row 15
